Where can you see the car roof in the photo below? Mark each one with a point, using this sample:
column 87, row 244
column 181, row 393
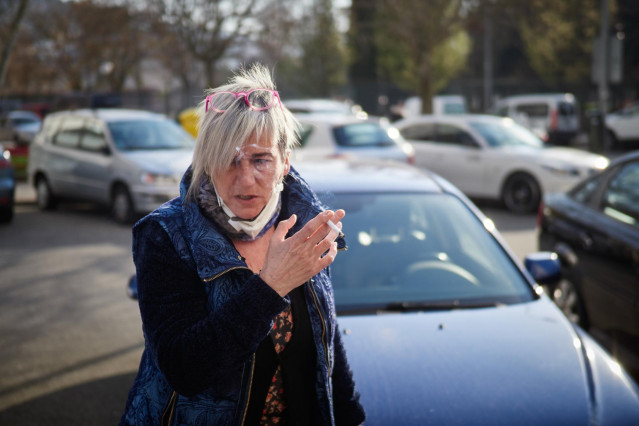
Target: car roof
column 569, row 97
column 112, row 114
column 333, row 119
column 352, row 174
column 452, row 118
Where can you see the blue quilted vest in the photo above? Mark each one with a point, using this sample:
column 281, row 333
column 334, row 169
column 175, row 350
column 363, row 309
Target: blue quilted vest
column 222, row 270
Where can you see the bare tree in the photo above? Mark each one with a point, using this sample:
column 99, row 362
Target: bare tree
column 8, row 37
column 421, row 44
column 208, row 28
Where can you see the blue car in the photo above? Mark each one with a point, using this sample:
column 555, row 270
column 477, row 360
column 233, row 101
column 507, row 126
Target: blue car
column 442, row 324
column 7, row 186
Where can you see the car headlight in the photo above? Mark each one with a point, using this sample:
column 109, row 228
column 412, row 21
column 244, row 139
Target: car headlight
column 158, row 179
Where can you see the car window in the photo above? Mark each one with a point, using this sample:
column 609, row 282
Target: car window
column 533, row 110
column 503, row 111
column 93, row 138
column 133, row 135
column 454, row 135
column 419, row 248
column 506, row 132
column 305, row 133
column 621, row 199
column 566, row 109
column 361, row 135
column 583, row 193
column 420, row 132
column 69, row 132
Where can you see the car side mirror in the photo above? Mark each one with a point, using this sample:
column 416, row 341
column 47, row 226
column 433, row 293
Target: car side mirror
column 544, row 266
column 132, row 288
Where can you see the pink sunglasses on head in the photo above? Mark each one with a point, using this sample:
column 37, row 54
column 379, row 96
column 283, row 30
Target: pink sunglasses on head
column 256, row 99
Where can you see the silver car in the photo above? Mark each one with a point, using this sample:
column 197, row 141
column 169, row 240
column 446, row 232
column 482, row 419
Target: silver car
column 129, row 160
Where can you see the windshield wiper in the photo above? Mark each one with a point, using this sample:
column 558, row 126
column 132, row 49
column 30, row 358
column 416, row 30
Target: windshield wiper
column 435, row 306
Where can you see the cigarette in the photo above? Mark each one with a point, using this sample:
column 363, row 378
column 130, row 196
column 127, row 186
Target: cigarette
column 334, row 227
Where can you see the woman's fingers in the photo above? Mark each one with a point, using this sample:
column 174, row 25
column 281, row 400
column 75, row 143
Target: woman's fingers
column 292, row 261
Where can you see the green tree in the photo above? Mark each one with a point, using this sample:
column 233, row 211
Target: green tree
column 422, row 44
column 323, row 60
column 558, row 38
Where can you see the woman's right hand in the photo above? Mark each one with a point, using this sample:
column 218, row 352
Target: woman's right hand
column 292, row 261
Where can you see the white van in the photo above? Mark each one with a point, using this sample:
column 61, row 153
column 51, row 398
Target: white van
column 442, row 104
column 554, row 117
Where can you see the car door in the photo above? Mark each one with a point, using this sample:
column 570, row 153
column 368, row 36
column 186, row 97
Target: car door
column 627, row 124
column 94, row 162
column 610, row 265
column 60, row 158
column 450, row 151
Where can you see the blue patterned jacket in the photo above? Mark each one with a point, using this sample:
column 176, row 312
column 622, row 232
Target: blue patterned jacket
column 204, row 313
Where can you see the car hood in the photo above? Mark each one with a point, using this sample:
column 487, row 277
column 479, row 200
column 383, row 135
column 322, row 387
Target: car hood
column 575, row 157
column 518, row 364
column 166, row 161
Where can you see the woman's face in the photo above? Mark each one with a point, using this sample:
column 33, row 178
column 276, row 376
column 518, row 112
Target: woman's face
column 248, row 183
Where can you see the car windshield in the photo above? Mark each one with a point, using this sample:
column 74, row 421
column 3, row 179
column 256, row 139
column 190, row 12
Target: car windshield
column 506, row 133
column 149, row 135
column 362, row 135
column 21, row 121
column 418, row 251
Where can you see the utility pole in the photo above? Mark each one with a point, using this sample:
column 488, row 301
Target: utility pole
column 604, row 75
column 488, row 61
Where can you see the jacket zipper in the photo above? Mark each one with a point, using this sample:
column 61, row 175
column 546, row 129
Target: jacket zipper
column 310, row 285
column 248, row 395
column 169, row 411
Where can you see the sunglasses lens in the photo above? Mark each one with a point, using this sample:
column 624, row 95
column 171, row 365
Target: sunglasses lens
column 261, row 99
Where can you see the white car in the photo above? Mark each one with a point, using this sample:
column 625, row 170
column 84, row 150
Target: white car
column 338, row 135
column 495, row 158
column 623, row 126
column 19, row 126
column 324, row 106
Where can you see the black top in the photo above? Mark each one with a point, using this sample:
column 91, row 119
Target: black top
column 298, row 360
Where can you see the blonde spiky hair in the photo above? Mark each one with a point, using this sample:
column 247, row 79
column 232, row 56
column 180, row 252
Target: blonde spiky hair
column 220, row 134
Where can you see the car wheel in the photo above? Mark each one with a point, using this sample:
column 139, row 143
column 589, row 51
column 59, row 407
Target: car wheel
column 122, row 205
column 44, row 196
column 567, row 298
column 521, row 193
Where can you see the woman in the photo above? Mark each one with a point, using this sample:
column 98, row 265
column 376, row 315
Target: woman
column 233, row 286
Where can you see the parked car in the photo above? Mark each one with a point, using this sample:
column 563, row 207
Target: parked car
column 19, row 126
column 441, row 324
column 7, row 186
column 339, row 135
column 623, row 125
column 553, row 117
column 324, row 106
column 594, row 228
column 129, row 160
column 495, row 158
